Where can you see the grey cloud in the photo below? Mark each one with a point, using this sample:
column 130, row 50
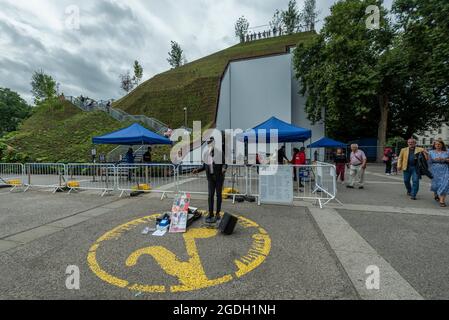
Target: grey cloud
column 19, row 38
column 115, row 33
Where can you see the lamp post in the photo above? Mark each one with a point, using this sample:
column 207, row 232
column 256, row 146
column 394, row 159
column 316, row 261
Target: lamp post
column 185, row 117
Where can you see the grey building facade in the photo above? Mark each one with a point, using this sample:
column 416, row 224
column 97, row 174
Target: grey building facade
column 254, row 90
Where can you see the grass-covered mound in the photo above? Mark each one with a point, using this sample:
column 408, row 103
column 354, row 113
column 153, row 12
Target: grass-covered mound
column 196, row 85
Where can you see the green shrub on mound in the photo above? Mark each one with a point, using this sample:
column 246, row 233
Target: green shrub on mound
column 60, row 132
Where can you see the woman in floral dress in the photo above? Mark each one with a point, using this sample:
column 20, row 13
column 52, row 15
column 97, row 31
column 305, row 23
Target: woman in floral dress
column 439, row 158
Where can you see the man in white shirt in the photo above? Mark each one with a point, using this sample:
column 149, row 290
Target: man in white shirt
column 357, row 166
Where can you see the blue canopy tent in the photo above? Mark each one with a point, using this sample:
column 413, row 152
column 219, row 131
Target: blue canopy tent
column 327, row 143
column 133, row 135
column 286, row 132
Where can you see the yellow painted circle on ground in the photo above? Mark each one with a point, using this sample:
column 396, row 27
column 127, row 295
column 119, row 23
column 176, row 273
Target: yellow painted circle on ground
column 190, row 274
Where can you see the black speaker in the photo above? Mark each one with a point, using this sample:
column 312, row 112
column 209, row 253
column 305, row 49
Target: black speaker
column 227, row 224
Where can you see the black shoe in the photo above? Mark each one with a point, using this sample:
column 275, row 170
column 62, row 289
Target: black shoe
column 350, row 187
column 218, row 217
column 211, row 220
column 413, row 198
column 361, row 188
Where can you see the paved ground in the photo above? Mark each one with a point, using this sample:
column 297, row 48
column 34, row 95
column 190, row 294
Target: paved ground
column 299, row 252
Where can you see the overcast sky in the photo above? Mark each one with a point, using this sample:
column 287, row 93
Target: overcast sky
column 44, row 34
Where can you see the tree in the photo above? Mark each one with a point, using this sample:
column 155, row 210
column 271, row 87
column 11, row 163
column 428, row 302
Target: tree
column 424, row 28
column 276, row 22
column 138, row 73
column 241, row 28
column 309, row 15
column 13, row 110
column 127, row 82
column 349, row 70
column 43, row 87
column 291, row 18
column 176, row 56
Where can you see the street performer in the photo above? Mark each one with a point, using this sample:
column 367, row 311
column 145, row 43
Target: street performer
column 215, row 171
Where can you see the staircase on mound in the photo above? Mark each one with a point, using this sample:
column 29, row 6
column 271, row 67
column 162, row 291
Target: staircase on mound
column 118, row 153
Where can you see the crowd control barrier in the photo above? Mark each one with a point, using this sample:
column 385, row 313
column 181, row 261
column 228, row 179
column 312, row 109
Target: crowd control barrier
column 158, row 178
column 45, row 175
column 91, row 176
column 12, row 175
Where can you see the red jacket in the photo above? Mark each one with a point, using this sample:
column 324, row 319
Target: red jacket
column 299, row 159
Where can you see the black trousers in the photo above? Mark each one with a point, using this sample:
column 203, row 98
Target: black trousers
column 215, row 185
column 388, row 166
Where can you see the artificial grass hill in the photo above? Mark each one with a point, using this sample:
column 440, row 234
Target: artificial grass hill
column 196, row 84
column 60, row 132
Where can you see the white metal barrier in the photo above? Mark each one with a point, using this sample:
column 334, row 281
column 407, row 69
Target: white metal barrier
column 315, row 182
column 91, row 176
column 45, row 175
column 159, row 178
column 311, row 182
column 235, row 183
column 12, row 175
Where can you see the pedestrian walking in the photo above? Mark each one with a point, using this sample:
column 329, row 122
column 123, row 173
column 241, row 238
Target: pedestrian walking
column 407, row 163
column 439, row 159
column 388, row 160
column 340, row 161
column 357, row 166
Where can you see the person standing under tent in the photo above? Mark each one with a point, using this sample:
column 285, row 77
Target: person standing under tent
column 129, row 159
column 147, row 156
column 281, row 156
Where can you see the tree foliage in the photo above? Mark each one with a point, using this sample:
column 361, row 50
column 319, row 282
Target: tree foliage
column 276, row 22
column 127, row 82
column 369, row 80
column 13, row 110
column 424, row 30
column 309, row 15
column 138, row 72
column 241, row 28
column 291, row 18
column 176, row 56
column 43, row 86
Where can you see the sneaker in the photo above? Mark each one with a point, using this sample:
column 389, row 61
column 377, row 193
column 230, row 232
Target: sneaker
column 218, row 217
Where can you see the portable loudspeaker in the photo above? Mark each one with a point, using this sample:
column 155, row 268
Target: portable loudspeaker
column 227, row 224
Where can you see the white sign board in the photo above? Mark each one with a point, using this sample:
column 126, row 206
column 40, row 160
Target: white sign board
column 276, row 185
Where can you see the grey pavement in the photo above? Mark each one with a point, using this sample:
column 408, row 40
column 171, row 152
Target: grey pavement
column 314, row 253
column 299, row 265
column 415, row 245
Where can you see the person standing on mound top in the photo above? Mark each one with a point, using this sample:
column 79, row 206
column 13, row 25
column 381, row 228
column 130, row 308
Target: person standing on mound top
column 215, row 171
